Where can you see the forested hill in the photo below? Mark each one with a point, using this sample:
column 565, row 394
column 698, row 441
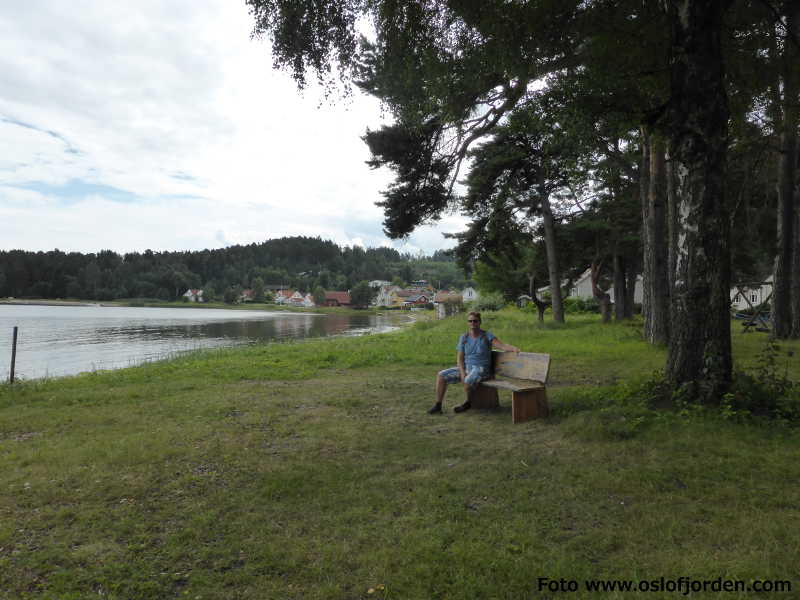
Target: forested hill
column 298, row 262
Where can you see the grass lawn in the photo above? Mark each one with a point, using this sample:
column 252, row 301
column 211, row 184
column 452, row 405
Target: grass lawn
column 311, row 470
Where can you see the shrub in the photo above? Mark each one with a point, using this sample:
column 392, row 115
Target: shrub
column 489, row 302
column 581, row 305
column 766, row 393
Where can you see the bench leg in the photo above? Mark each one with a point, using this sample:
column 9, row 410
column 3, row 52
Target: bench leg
column 484, row 397
column 529, row 405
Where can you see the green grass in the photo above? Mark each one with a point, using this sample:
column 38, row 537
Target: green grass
column 311, row 470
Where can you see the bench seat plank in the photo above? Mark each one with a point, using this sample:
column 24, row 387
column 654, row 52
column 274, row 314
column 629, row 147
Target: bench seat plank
column 515, row 385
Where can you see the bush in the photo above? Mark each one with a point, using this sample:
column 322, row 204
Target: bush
column 581, row 305
column 765, row 393
column 232, row 295
column 489, row 302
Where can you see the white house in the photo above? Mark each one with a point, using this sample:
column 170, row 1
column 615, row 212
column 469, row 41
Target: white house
column 194, row 295
column 297, row 299
column 469, row 294
column 384, row 296
column 308, row 301
column 756, row 294
column 291, row 297
column 582, row 288
column 379, row 283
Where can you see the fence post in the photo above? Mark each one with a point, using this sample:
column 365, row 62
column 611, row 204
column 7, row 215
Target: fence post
column 13, row 356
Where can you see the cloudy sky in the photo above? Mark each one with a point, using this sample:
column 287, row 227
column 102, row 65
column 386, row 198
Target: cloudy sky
column 160, row 124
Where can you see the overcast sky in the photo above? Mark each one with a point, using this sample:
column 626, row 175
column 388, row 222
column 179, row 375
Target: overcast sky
column 160, row 124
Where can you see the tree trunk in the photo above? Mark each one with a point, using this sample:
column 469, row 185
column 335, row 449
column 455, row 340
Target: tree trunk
column 699, row 361
column 656, row 274
column 787, row 169
column 540, row 305
column 783, row 277
column 796, row 260
column 630, row 290
column 647, row 257
column 552, row 263
column 672, row 226
column 620, row 287
column 603, row 298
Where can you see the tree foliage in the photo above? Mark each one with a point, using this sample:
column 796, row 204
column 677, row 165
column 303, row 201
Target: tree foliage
column 575, row 103
column 299, row 263
column 362, row 294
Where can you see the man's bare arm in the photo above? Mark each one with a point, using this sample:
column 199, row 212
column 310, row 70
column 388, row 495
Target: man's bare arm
column 462, row 369
column 501, row 346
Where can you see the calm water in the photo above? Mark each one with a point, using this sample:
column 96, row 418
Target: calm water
column 65, row 340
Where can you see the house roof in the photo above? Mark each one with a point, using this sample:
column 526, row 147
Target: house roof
column 418, row 298
column 285, row 293
column 445, row 295
column 340, row 297
column 441, row 296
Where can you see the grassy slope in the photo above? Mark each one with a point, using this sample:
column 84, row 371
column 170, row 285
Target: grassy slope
column 310, row 470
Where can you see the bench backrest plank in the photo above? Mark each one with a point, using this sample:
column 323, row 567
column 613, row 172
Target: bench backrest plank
column 525, row 365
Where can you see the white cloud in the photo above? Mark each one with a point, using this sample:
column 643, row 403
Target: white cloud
column 166, row 100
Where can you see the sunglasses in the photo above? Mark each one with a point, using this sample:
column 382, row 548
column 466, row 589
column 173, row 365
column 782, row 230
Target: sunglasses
column 473, row 320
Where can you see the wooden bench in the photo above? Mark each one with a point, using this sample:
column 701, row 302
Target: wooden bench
column 525, row 375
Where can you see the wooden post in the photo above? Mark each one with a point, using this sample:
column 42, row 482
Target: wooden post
column 13, row 356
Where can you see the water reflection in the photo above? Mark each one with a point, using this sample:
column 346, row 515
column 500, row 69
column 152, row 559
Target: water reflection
column 66, row 340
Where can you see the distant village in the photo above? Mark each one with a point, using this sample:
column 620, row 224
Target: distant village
column 419, row 294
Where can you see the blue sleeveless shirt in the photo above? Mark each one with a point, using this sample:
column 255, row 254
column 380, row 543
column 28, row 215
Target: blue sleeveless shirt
column 477, row 351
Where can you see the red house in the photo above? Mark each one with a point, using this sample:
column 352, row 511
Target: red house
column 337, row 298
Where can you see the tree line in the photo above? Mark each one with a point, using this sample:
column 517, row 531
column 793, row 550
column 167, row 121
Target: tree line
column 640, row 136
column 301, row 263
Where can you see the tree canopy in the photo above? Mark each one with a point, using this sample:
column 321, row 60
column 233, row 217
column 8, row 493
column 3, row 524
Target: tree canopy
column 297, row 262
column 570, row 117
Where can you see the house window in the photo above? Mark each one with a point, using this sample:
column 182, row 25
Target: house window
column 753, row 297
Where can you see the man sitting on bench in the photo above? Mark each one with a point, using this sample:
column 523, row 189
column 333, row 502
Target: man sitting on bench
column 474, row 363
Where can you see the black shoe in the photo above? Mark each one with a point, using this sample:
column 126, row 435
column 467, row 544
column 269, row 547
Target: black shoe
column 462, row 407
column 436, row 409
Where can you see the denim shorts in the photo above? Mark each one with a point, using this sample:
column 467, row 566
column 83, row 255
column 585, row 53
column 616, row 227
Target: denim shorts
column 475, row 374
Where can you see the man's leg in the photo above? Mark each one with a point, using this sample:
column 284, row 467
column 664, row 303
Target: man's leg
column 471, row 381
column 441, row 389
column 442, row 379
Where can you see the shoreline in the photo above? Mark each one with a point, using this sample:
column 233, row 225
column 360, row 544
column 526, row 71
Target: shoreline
column 270, row 308
column 49, row 303
column 173, row 354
